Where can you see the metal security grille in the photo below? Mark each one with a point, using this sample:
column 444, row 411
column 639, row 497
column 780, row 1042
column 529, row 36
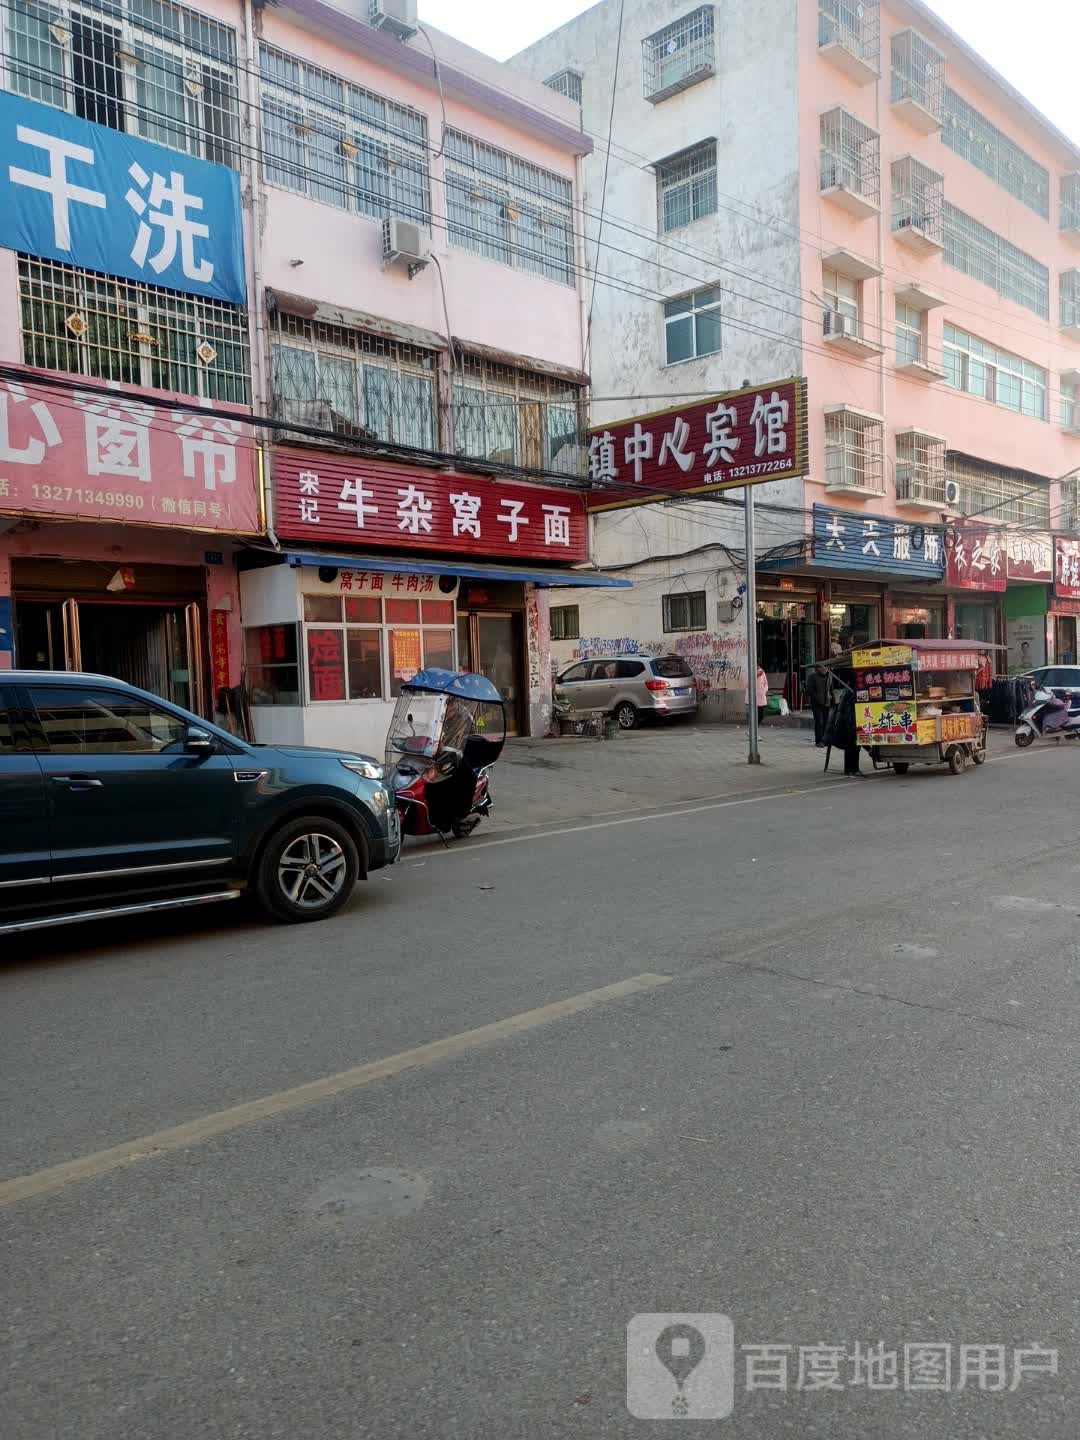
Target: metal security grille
column 1070, row 204
column 971, row 135
column 918, row 72
column 991, row 258
column 850, row 155
column 920, row 467
column 1001, row 495
column 686, row 186
column 341, row 144
column 148, row 67
column 854, row 24
column 111, row 329
column 918, row 199
column 854, row 457
column 509, row 210
column 679, row 55
column 1070, row 491
column 566, row 82
column 518, row 417
column 1069, row 299
column 352, row 382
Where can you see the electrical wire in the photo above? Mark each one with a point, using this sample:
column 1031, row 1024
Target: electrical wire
column 603, row 188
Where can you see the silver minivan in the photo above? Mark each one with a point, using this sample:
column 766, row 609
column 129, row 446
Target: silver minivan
column 629, row 686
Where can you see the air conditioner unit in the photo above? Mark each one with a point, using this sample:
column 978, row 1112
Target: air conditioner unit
column 397, row 16
column 404, row 243
column 837, row 324
column 952, row 493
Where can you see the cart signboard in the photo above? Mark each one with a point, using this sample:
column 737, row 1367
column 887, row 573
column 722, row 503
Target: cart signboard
column 890, row 722
column 949, row 660
column 883, row 675
column 959, row 727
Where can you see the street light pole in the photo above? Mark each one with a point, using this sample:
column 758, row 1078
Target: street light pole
column 754, row 756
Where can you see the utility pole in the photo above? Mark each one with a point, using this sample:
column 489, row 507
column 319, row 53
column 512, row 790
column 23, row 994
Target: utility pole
column 754, row 757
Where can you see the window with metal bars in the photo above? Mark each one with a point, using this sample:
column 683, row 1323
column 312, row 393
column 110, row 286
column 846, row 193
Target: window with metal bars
column 685, row 611
column 972, row 135
column 995, row 375
column 918, row 72
column 991, row 258
column 918, row 195
column 920, row 467
column 854, row 24
column 565, row 622
column 1068, row 517
column 1069, row 299
column 517, row 417
column 508, row 209
column 679, row 55
column 850, row 155
column 1070, row 418
column 110, row 329
column 341, row 144
column 151, row 68
column 999, row 494
column 566, row 82
column 1069, row 216
column 854, row 457
column 686, row 186
column 353, row 382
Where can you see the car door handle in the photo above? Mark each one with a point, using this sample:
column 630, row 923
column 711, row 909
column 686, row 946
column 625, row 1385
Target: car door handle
column 77, row 782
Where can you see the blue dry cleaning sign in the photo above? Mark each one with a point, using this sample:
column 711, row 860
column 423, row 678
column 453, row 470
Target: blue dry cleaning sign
column 74, row 191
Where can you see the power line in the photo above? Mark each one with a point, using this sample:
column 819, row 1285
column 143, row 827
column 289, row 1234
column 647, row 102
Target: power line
column 603, row 188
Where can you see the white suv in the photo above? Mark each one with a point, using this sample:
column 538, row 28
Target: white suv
column 629, row 686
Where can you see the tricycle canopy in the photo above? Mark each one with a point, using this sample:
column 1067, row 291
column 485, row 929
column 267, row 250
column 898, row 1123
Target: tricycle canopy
column 443, row 716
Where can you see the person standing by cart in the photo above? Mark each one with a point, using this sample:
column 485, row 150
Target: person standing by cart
column 841, row 731
column 818, row 689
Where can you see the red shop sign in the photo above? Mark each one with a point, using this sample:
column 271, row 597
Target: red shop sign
column 975, row 558
column 745, row 437
column 1067, row 569
column 219, row 647
column 92, row 453
column 348, row 500
column 1061, row 606
column 1031, row 557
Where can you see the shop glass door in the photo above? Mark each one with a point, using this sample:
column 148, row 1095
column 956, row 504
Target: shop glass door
column 495, row 658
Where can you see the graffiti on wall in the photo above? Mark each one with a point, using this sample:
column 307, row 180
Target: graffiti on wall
column 717, row 661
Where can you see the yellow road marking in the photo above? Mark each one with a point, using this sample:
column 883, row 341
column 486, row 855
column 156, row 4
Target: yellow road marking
column 196, row 1132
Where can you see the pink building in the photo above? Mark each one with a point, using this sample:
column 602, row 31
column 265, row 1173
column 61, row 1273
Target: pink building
column 845, row 191
column 381, row 257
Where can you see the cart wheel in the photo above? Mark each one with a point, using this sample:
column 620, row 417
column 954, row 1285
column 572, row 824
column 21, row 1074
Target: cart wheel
column 901, row 767
column 957, row 760
column 978, row 755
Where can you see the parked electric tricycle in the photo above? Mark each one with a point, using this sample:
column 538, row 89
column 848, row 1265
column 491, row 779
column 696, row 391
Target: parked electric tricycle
column 447, row 731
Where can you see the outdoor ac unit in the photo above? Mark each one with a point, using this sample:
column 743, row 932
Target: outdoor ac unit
column 838, row 324
column 404, row 243
column 952, row 493
column 397, row 16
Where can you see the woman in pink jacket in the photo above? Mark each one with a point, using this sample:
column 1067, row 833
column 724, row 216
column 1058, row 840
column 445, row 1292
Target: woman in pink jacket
column 762, row 693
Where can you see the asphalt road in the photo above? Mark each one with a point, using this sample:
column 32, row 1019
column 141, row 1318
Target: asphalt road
column 837, row 1103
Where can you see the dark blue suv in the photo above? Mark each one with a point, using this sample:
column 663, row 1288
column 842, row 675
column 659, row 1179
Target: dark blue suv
column 115, row 802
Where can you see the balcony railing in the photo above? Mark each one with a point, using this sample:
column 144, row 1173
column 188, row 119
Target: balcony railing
column 918, row 81
column 918, row 205
column 850, row 162
column 920, row 469
column 849, row 32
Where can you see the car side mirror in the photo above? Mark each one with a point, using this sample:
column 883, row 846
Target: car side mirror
column 198, row 742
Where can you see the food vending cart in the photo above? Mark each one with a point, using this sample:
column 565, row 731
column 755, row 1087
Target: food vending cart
column 916, row 702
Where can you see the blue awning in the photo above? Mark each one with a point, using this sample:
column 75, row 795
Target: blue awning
column 465, row 569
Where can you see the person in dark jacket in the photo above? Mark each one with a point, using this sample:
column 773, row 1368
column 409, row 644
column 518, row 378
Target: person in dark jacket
column 818, row 691
column 841, row 731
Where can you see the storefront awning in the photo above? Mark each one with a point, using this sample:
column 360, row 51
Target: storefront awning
column 466, row 569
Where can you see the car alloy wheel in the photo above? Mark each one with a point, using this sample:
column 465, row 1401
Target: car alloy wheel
column 312, row 870
column 626, row 715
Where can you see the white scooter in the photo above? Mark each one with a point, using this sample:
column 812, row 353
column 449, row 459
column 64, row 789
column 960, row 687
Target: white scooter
column 1032, row 723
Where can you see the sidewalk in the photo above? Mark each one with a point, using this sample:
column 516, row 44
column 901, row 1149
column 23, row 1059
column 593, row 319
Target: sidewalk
column 540, row 782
